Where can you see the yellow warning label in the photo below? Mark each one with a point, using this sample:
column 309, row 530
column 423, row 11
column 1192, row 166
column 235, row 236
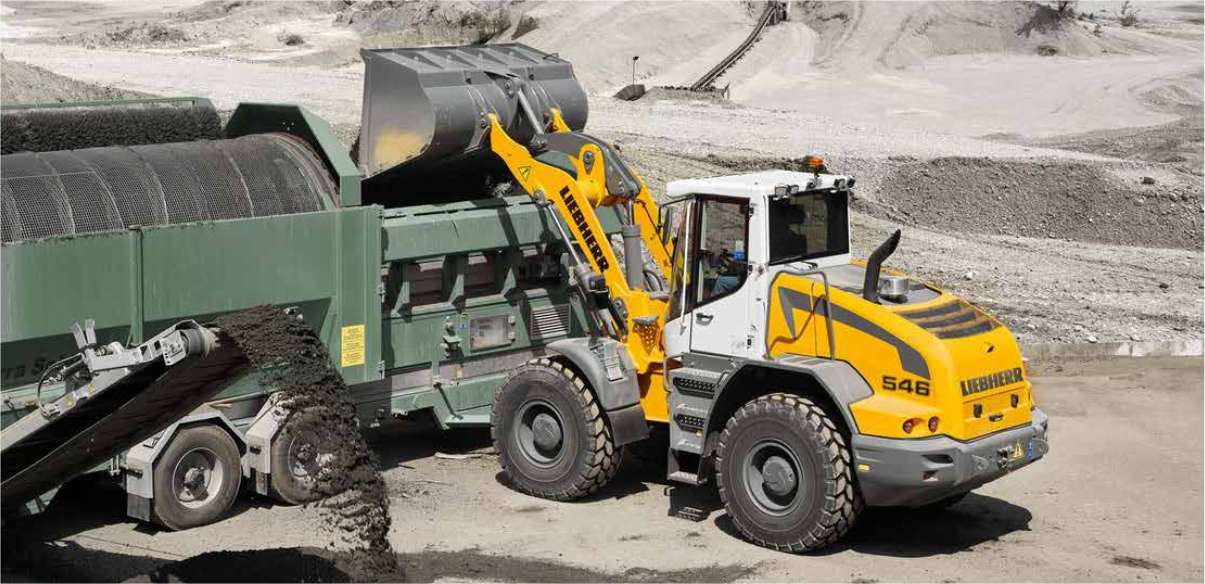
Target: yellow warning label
column 525, row 172
column 353, row 345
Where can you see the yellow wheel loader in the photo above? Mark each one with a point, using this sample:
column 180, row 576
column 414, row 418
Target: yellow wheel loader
column 805, row 384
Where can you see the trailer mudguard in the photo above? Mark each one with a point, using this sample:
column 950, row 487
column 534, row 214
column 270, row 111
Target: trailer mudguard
column 609, row 370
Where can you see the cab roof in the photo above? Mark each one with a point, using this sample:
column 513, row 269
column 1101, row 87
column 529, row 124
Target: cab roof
column 753, row 184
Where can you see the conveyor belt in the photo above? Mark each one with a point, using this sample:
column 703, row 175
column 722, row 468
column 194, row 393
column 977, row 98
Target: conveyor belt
column 48, row 451
column 768, row 17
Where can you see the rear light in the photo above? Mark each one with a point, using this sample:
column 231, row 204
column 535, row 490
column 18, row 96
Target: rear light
column 908, row 425
column 978, row 410
column 933, row 423
column 1015, row 400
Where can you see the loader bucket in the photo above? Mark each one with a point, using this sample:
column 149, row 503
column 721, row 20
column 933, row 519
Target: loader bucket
column 424, row 113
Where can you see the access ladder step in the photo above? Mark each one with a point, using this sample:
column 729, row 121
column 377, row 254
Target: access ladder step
column 681, row 476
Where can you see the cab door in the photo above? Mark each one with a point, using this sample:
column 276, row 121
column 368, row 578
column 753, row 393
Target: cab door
column 720, row 302
column 677, row 328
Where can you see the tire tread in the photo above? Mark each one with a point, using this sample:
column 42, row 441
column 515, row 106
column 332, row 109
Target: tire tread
column 604, row 457
column 842, row 502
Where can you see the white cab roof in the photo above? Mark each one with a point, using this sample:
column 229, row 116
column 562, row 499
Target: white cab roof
column 751, row 184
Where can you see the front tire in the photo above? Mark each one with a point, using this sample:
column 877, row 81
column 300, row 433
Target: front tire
column 197, row 478
column 785, row 475
column 552, row 439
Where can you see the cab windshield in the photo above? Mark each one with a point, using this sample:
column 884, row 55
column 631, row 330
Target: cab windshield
column 808, row 225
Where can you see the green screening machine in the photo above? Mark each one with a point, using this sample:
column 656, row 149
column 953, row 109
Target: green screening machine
column 128, row 227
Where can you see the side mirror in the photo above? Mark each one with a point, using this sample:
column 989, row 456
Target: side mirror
column 665, row 228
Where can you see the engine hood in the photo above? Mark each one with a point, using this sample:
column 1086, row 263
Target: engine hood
column 938, row 357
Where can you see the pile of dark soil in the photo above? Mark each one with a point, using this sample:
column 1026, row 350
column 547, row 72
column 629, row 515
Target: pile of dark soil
column 270, row 565
column 315, row 565
column 472, row 565
column 1064, row 200
column 355, row 504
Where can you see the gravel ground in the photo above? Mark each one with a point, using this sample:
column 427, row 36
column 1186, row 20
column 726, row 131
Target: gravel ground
column 454, row 520
column 24, row 83
column 1133, row 272
column 1062, row 200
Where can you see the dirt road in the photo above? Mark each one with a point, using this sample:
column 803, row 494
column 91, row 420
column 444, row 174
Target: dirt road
column 1118, row 498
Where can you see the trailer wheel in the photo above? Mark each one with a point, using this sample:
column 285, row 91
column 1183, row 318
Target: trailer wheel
column 784, row 474
column 197, row 478
column 297, row 458
column 550, row 433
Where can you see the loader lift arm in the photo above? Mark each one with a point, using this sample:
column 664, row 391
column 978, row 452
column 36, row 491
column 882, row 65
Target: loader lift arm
column 575, row 174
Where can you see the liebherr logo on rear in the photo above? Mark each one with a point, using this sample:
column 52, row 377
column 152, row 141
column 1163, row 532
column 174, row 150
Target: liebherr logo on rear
column 987, row 382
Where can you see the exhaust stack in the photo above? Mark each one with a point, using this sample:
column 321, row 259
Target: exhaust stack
column 870, row 286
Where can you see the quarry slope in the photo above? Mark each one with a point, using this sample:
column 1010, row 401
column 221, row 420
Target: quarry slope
column 1014, row 222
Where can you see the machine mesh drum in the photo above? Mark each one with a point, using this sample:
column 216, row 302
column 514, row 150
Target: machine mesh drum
column 48, row 128
column 103, row 189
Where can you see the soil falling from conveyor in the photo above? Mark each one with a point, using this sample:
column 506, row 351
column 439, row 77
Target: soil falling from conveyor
column 355, row 504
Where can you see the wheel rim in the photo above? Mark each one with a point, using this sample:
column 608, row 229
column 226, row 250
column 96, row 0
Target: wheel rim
column 197, row 477
column 304, row 458
column 774, row 479
column 540, row 433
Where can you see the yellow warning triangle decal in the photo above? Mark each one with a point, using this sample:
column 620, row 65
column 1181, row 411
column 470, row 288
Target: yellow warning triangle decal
column 525, row 172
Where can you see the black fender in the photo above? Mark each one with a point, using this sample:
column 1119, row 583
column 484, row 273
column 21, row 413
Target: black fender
column 607, row 367
column 836, row 381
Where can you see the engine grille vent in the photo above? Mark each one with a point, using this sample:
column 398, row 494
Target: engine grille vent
column 952, row 320
column 549, row 322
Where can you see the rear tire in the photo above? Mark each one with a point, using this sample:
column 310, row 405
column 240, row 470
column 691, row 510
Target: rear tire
column 197, row 477
column 785, row 476
column 297, row 459
column 552, row 439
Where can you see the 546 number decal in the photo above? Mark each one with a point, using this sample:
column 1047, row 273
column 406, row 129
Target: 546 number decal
column 917, row 386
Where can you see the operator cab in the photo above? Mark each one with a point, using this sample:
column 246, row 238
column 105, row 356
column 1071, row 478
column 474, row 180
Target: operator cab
column 736, row 232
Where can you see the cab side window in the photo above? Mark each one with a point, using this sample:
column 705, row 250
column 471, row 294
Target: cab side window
column 720, row 263
column 679, row 278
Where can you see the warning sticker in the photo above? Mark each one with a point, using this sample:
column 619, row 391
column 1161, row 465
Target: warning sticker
column 353, row 345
